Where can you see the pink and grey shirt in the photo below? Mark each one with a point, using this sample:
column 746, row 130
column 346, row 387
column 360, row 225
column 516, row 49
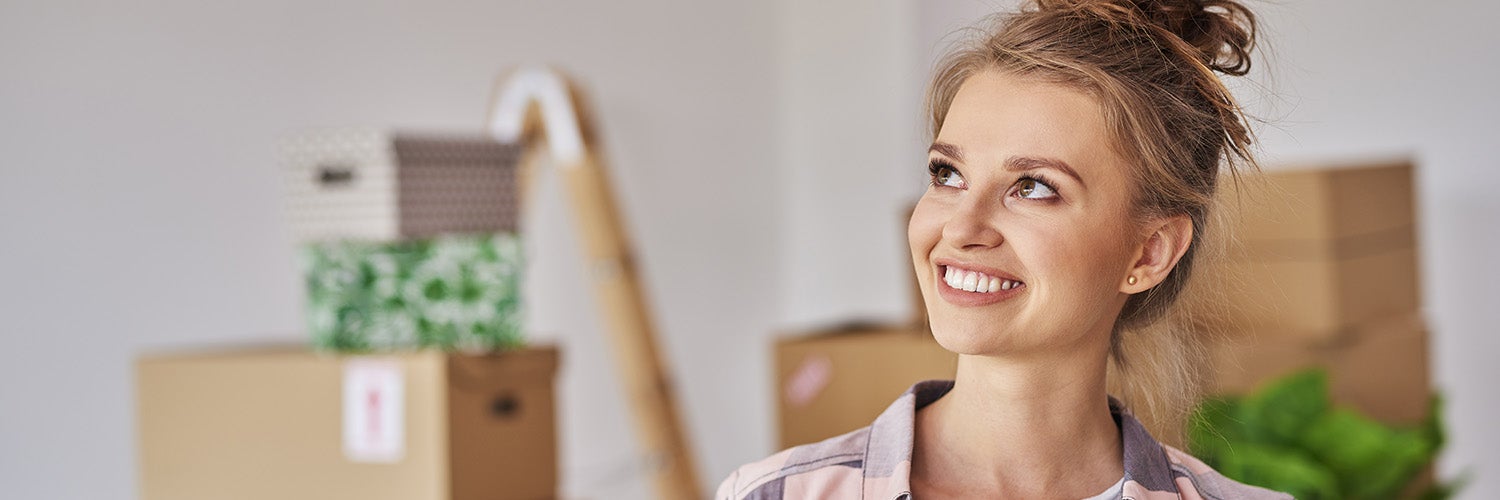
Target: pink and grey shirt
column 874, row 463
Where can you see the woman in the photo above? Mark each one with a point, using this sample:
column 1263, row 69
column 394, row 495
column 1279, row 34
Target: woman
column 1077, row 151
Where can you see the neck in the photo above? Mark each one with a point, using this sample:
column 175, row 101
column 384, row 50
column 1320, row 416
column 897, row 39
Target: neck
column 1027, row 428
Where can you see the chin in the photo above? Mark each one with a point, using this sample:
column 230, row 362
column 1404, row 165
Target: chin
column 971, row 339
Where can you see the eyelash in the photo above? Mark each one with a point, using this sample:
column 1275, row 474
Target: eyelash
column 937, row 165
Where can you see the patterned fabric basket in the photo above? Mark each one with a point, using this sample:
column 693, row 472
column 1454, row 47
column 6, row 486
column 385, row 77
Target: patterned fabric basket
column 451, row 293
column 375, row 186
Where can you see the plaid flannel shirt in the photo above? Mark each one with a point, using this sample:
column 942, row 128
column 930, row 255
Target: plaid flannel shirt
column 874, row 463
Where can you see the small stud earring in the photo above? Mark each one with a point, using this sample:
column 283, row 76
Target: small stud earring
column 1130, row 280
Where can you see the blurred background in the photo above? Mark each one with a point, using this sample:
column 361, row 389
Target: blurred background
column 764, row 155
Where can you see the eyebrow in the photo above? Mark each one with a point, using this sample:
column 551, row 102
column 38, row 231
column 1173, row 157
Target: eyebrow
column 1012, row 163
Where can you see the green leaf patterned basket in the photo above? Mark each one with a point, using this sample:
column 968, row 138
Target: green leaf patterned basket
column 447, row 292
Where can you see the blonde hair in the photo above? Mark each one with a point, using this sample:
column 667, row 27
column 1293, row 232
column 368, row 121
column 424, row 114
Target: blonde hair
column 1151, row 64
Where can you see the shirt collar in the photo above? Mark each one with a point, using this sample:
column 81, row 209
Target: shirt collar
column 887, row 462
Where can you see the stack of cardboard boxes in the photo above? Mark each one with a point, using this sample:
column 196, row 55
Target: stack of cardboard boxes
column 415, row 250
column 1324, row 274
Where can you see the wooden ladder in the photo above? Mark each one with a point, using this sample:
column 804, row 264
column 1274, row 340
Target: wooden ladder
column 540, row 109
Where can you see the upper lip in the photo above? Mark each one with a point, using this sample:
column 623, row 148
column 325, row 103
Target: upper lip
column 970, row 266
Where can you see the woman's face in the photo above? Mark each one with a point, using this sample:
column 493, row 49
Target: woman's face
column 1028, row 218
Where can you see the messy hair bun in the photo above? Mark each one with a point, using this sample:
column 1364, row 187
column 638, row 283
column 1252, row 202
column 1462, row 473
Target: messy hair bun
column 1154, row 67
column 1222, row 31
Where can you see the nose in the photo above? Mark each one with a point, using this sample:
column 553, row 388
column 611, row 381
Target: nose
column 973, row 224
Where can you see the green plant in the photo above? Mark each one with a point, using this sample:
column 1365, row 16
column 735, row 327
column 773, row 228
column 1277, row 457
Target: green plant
column 1287, row 436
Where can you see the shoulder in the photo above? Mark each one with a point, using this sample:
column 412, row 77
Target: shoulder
column 832, row 468
column 1193, row 474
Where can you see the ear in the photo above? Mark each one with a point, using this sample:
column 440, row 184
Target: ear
column 1164, row 245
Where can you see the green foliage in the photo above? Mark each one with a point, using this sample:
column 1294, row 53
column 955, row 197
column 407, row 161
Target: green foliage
column 447, row 293
column 1289, row 437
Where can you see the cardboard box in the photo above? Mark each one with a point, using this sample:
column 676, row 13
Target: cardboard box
column 832, row 382
column 1320, row 250
column 289, row 424
column 1380, row 368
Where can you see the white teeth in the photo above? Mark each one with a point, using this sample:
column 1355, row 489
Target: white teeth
column 974, row 281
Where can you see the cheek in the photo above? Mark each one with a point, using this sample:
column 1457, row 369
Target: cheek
column 923, row 232
column 924, row 229
column 1083, row 262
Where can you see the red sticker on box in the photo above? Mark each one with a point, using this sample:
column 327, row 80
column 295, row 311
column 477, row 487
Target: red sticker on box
column 808, row 380
column 374, row 411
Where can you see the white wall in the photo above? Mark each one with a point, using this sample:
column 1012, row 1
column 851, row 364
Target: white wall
column 764, row 153
column 850, row 144
column 140, row 200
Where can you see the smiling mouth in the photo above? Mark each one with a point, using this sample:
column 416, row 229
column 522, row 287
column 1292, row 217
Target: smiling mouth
column 977, row 282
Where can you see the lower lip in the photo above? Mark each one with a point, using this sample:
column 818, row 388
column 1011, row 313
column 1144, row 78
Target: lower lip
column 973, row 299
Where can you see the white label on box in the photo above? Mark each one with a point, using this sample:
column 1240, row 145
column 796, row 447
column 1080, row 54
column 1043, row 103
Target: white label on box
column 374, row 411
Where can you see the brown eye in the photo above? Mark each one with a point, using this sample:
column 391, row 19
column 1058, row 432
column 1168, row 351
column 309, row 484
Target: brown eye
column 944, row 175
column 1034, row 189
